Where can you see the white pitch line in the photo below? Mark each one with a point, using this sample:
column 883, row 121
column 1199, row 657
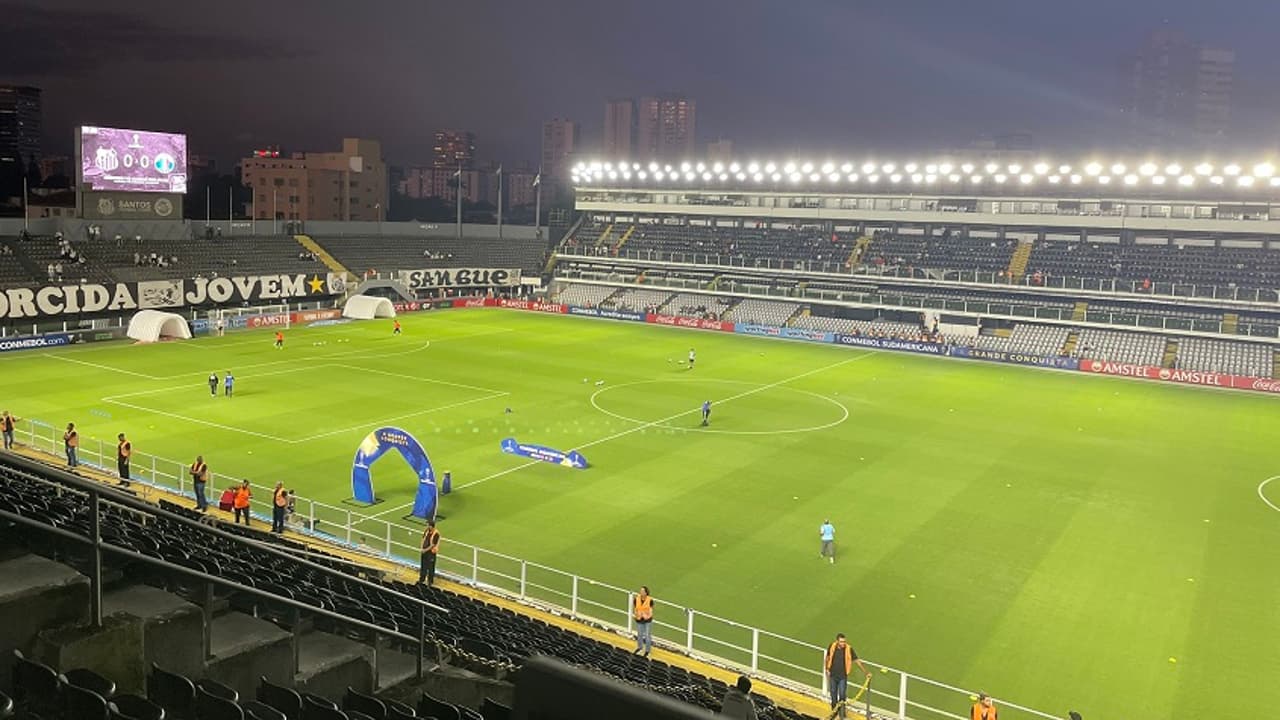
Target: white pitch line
column 421, row 379
column 198, row 421
column 103, row 367
column 644, row 426
column 450, row 406
column 1262, row 495
column 184, row 386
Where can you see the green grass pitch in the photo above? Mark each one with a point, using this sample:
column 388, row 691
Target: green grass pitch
column 1047, row 537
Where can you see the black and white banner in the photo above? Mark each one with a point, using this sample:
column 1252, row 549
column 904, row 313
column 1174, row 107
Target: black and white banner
column 61, row 300
column 460, row 277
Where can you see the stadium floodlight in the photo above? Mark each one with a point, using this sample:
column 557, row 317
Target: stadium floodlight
column 954, row 177
column 1000, row 178
column 669, row 170
column 753, row 167
column 992, row 167
column 834, row 177
column 945, row 168
column 1130, row 179
column 1041, row 168
column 1015, row 168
column 1216, row 180
column 1026, row 178
column 771, row 168
column 789, row 168
column 853, row 177
column 1232, row 169
column 931, row 178
column 653, row 167
column 1118, row 169
column 814, row 177
column 873, row 178
column 846, row 168
column 911, row 167
column 975, row 179
column 734, row 167
column 626, row 173
column 1055, row 179
column 1173, row 169
column 888, row 167
column 1158, row 180
column 1245, row 181
column 931, row 169
column 706, row 176
column 724, row 177
column 642, row 175
column 795, row 177
column 1064, row 169
column 685, row 167
column 717, row 168
column 1204, row 169
column 613, row 175
column 1264, row 170
column 1076, row 179
column 895, row 178
column 868, row 167
column 776, row 177
column 1104, row 180
column 1187, row 180
column 741, row 176
column 689, row 176
column 806, row 168
column 967, row 168
column 658, row 175
column 1148, row 169
column 1093, row 169
column 758, row 177
column 1275, row 182
column 635, row 166
column 916, row 177
column 828, row 167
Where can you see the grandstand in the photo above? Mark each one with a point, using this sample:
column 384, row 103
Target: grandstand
column 361, row 254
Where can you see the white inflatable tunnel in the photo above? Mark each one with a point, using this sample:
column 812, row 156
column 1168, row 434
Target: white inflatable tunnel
column 364, row 307
column 153, row 326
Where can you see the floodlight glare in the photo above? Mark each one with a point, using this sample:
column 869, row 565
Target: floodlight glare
column 1204, row 169
column 945, row 168
column 753, row 168
column 868, row 167
column 815, row 177
column 853, row 177
column 1001, row 178
column 931, row 177
column 1245, row 181
column 1187, row 180
column 1064, row 169
column 1130, row 179
column 807, row 168
column 717, row 168
column 1275, row 182
column 834, row 177
column 1105, row 180
column 1026, row 178
column 658, row 175
column 735, row 167
column 1157, row 180
column 613, row 175
column 757, row 177
column 953, row 177
column 723, row 177
column 1117, row 169
column 608, row 167
column 1041, row 168
column 895, row 177
column 1093, row 169
column 642, row 175
column 967, row 168
column 873, row 178
column 1232, row 169
column 1015, row 168
column 888, row 167
column 741, row 176
column 1076, row 179
column 795, row 177
column 1173, row 169
column 653, row 167
column 789, row 168
column 1216, row 180
column 916, row 177
column 776, row 177
column 931, row 169
column 1264, row 170
column 1054, row 179
column 911, row 167
column 975, row 179
column 1148, row 169
column 771, row 168
column 685, row 167
column 992, row 167
column 846, row 168
column 828, row 168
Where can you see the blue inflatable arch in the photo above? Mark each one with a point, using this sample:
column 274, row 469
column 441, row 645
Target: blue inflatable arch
column 374, row 446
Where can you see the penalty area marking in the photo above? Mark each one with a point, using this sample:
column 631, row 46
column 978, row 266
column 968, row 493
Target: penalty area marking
column 844, row 410
column 1263, row 496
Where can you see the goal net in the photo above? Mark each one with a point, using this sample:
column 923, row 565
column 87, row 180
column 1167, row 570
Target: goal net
column 153, row 326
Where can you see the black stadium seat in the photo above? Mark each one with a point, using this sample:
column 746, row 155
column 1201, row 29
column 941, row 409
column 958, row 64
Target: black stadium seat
column 281, row 698
column 366, row 704
column 254, row 710
column 132, row 707
column 214, row 707
column 174, row 692
column 35, row 685
column 82, row 704
column 431, row 707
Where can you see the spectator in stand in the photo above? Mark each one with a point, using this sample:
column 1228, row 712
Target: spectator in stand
column 642, row 612
column 199, row 480
column 71, row 443
column 430, row 551
column 840, row 661
column 737, row 701
column 279, row 505
column 7, row 422
column 124, row 453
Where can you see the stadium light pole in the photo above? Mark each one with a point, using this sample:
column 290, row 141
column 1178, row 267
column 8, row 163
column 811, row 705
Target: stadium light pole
column 253, row 214
column 231, row 196
column 458, row 175
column 537, row 205
column 208, row 216
column 274, row 213
column 499, row 203
column 26, row 205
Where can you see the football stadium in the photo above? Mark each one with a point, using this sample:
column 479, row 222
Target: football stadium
column 1001, row 424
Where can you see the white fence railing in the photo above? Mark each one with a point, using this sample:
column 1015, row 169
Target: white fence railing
column 742, row 648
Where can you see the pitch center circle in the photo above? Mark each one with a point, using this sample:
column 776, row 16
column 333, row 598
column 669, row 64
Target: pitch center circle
column 688, row 419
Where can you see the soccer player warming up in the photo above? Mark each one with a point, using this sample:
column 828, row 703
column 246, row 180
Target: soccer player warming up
column 706, row 413
column 213, row 384
column 396, row 331
column 279, row 340
column 229, row 385
column 692, row 356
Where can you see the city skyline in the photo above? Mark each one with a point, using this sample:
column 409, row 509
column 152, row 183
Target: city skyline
column 868, row 77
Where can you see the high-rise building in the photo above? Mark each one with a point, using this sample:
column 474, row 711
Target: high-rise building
column 559, row 140
column 454, row 148
column 20, row 120
column 1180, row 93
column 619, row 128
column 350, row 184
column 666, row 126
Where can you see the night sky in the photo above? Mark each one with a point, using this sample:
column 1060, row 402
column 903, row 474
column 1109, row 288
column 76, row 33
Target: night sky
column 776, row 76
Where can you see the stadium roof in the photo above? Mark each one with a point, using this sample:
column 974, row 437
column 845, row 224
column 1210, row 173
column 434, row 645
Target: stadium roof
column 1260, row 177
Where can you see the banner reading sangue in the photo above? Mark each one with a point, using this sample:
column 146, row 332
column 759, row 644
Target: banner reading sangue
column 61, row 300
column 460, row 277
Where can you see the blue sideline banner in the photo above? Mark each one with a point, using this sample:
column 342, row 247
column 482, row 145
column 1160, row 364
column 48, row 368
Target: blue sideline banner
column 876, row 343
column 1017, row 358
column 610, row 314
column 378, row 443
column 34, row 342
column 788, row 333
column 572, row 459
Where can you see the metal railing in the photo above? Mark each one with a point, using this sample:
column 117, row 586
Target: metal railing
column 102, row 499
column 784, row 661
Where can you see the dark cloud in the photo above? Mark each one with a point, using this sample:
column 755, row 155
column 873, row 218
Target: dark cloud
column 46, row 42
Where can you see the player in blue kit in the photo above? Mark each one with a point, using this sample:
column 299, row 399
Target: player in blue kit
column 706, row 413
column 230, row 384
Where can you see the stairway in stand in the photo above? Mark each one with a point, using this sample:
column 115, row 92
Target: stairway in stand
column 1170, row 357
column 1018, row 261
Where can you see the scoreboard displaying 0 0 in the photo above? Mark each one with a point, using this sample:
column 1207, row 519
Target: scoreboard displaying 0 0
column 115, row 159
